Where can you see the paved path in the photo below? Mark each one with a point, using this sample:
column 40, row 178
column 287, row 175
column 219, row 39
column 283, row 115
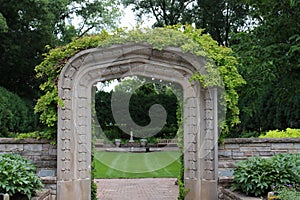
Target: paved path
column 137, row 189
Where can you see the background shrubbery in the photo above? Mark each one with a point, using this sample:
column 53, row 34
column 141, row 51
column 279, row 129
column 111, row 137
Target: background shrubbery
column 288, row 133
column 256, row 176
column 15, row 114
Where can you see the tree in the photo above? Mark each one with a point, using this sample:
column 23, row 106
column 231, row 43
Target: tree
column 218, row 17
column 166, row 12
column 144, row 95
column 270, row 63
column 33, row 24
column 3, row 25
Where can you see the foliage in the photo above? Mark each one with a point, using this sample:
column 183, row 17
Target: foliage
column 142, row 98
column 165, row 12
column 180, row 179
column 46, row 134
column 219, row 18
column 288, row 133
column 257, row 175
column 270, row 61
column 15, row 115
column 287, row 193
column 182, row 191
column 3, row 25
column 93, row 184
column 244, row 134
column 190, row 40
column 31, row 25
column 49, row 70
column 18, row 176
column 93, row 16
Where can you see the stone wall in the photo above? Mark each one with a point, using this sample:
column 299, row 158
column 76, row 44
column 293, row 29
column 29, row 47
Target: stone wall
column 229, row 195
column 237, row 149
column 43, row 155
column 40, row 152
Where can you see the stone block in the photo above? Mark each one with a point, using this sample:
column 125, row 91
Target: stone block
column 33, row 148
column 238, row 154
column 77, row 62
column 208, row 175
column 52, row 151
column 46, row 158
column 46, row 147
column 66, row 94
column 255, row 148
column 226, row 172
column 225, row 153
column 221, row 147
column 249, row 153
column 231, row 146
column 209, row 190
column 66, row 125
column 297, row 146
column 209, row 155
column 266, row 153
column 46, row 172
column 227, row 164
column 257, row 144
column 276, row 146
column 70, row 72
column 67, row 83
column 208, row 124
column 2, row 148
column 208, row 144
column 67, row 104
column 293, row 151
column 13, row 148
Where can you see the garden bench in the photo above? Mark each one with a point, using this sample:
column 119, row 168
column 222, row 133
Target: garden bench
column 99, row 143
column 167, row 142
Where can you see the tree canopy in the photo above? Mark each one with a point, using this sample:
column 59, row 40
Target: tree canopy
column 142, row 98
column 219, row 18
column 27, row 27
column 270, row 63
column 263, row 34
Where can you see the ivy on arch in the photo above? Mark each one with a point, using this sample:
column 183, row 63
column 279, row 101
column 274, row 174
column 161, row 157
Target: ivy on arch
column 221, row 65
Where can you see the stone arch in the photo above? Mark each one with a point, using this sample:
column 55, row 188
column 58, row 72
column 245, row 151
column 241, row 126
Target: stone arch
column 75, row 118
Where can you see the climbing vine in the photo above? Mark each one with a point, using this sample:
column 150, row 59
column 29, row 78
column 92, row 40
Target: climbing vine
column 220, row 67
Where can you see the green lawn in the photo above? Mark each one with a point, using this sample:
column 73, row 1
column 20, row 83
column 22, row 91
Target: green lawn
column 137, row 165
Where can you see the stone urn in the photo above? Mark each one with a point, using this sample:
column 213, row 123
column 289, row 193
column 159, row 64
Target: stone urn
column 143, row 142
column 118, row 142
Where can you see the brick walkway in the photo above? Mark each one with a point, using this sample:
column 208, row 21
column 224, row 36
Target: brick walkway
column 137, row 189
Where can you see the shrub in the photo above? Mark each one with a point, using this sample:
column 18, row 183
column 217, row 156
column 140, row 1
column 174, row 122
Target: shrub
column 257, row 175
column 18, row 176
column 15, row 115
column 289, row 193
column 288, row 133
